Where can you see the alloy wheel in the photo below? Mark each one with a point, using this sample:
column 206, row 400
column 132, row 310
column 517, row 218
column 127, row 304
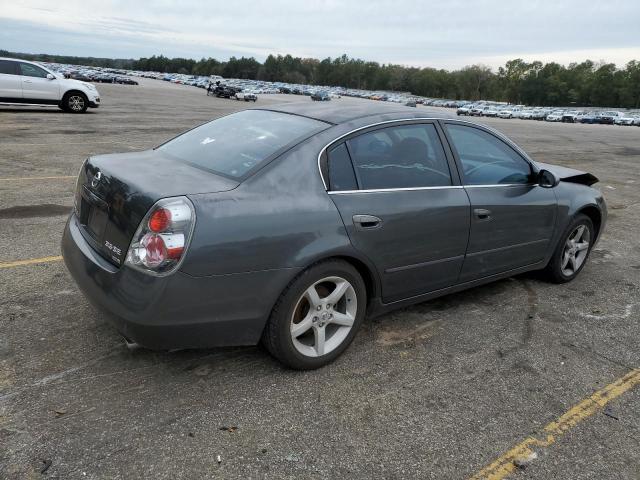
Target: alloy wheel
column 576, row 249
column 323, row 317
column 76, row 103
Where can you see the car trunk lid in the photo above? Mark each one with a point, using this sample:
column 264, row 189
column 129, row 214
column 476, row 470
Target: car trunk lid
column 114, row 192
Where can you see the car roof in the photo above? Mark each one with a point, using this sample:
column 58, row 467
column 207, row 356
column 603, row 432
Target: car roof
column 19, row 60
column 337, row 114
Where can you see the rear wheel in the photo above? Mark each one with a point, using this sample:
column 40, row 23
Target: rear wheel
column 572, row 251
column 317, row 316
column 75, row 102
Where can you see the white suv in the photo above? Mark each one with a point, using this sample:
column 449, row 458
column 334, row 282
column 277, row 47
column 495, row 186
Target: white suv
column 26, row 82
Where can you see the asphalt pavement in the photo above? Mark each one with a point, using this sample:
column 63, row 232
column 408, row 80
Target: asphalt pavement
column 518, row 378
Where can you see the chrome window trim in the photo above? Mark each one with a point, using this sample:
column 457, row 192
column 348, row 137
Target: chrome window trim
column 503, row 185
column 444, row 187
column 399, row 120
column 386, row 190
column 501, row 136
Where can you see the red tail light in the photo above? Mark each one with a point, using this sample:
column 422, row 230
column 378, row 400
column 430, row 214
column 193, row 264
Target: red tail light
column 163, row 236
column 160, row 220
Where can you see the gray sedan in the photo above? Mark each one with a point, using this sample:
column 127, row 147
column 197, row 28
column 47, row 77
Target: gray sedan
column 289, row 225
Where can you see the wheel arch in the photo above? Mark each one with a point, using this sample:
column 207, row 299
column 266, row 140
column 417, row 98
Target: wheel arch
column 366, row 272
column 363, row 267
column 595, row 215
column 74, row 90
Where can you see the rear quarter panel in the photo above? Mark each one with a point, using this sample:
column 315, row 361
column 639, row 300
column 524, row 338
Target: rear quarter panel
column 279, row 218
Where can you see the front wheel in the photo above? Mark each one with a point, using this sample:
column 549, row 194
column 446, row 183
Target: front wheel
column 75, row 102
column 572, row 251
column 317, row 316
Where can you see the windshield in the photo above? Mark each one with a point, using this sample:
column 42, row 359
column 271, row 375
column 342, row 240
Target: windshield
column 235, row 144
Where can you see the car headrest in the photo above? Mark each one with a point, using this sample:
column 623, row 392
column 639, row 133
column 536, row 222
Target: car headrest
column 410, row 151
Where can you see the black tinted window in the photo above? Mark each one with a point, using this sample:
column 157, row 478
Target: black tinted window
column 487, row 160
column 8, row 67
column 235, row 144
column 29, row 70
column 341, row 174
column 406, row 156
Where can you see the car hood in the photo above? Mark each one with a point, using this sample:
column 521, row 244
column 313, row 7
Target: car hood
column 73, row 83
column 566, row 174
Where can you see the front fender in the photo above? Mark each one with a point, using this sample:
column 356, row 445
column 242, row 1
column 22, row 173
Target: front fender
column 574, row 198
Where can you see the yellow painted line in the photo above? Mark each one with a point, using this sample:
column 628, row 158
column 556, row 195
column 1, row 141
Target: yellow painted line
column 31, row 261
column 505, row 464
column 13, row 179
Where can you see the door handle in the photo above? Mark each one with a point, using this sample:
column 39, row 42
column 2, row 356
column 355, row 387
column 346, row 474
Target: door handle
column 367, row 222
column 482, row 213
column 27, row 81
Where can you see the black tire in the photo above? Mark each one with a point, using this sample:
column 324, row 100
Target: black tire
column 75, row 102
column 553, row 272
column 277, row 337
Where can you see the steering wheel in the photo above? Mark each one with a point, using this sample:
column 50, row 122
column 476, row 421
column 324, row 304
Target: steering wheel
column 438, row 172
column 470, row 172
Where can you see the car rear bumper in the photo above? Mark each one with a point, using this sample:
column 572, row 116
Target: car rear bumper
column 179, row 310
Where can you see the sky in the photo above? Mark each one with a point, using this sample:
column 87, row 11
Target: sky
column 442, row 34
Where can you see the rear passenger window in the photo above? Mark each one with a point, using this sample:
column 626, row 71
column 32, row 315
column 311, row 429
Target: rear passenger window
column 7, row 67
column 405, row 156
column 341, row 174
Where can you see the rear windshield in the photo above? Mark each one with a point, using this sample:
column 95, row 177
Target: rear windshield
column 236, row 144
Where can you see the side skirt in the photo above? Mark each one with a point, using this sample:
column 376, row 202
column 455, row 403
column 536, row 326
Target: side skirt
column 28, row 101
column 377, row 308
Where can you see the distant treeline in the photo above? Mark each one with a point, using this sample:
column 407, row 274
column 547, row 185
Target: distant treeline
column 580, row 84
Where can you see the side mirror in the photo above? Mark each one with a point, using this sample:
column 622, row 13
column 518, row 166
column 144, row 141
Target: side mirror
column 547, row 179
column 51, row 76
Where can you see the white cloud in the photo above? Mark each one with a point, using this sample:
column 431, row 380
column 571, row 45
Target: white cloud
column 410, row 32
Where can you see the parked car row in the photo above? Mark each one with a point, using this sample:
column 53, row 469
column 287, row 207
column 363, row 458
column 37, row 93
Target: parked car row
column 487, row 109
column 248, row 90
column 90, row 74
